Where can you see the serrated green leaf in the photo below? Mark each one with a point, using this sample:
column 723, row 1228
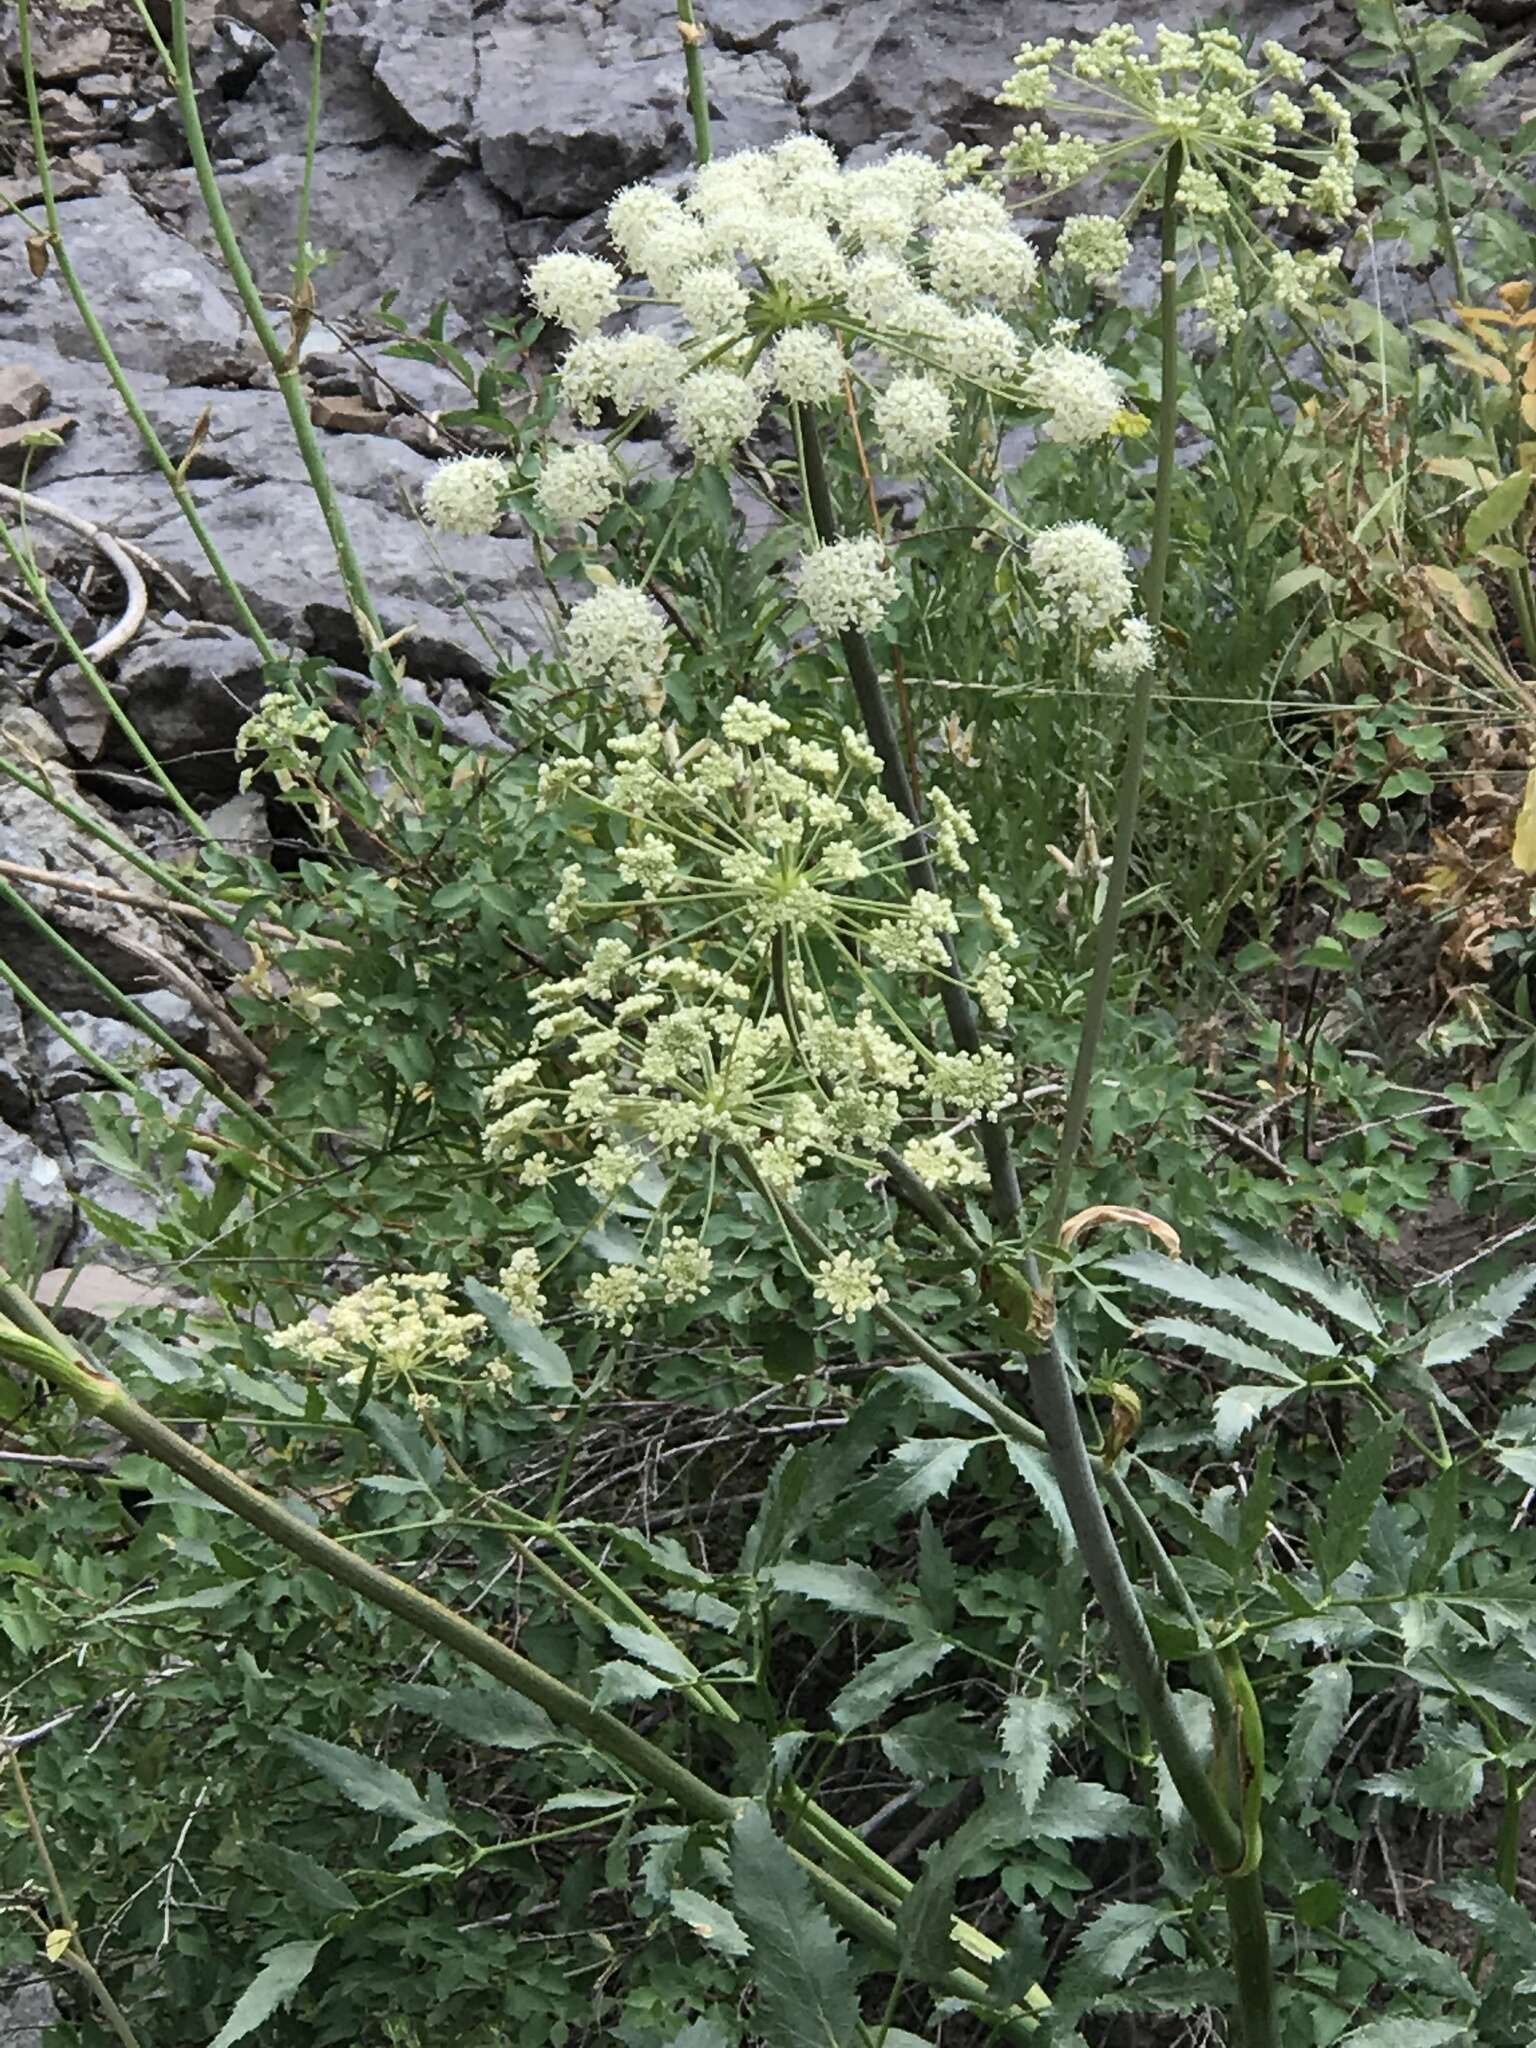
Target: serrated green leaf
column 373, row 1786
column 1105, row 1952
column 1465, row 1332
column 925, row 1470
column 282, row 1971
column 1404, row 2033
column 1448, row 1780
column 807, row 1996
column 1352, row 1500
column 297, row 1876
column 657, row 1651
column 498, row 1720
column 1316, row 1728
column 1226, row 1294
column 885, row 1678
column 1237, row 1409
column 849, row 1588
column 1291, row 1268
column 533, row 1347
column 1068, row 1810
column 619, row 1682
column 1413, row 1961
column 1034, row 1468
column 1215, row 1342
column 713, row 1923
column 1027, row 1737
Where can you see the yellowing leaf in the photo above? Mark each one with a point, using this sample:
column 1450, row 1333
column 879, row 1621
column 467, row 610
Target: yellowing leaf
column 57, row 1944
column 1501, row 508
column 1523, row 852
column 1466, row 597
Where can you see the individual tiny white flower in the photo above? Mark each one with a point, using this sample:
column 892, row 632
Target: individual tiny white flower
column 1082, row 395
column 981, row 263
column 849, row 1285
column 807, row 366
column 913, row 419
column 1130, row 654
column 578, row 292
column 464, row 496
column 614, row 1298
column 716, row 411
column 1094, row 245
column 681, row 1269
column 618, row 636
column 713, row 300
column 1085, row 573
column 847, row 585
column 577, row 485
column 519, row 1282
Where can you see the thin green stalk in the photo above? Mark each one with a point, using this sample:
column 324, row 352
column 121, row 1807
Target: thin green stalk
column 302, row 268
column 113, row 1076
column 1107, row 936
column 692, row 36
column 284, row 361
column 28, row 1338
column 37, row 586
column 250, row 625
column 880, row 728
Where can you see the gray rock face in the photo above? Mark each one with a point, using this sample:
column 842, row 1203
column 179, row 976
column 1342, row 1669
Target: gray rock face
column 116, row 940
column 189, row 696
column 164, row 302
column 17, row 1079
column 44, row 1192
column 27, row 2010
column 565, row 116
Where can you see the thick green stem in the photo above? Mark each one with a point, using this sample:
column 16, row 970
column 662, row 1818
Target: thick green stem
column 1258, row 2021
column 883, row 737
column 27, row 1336
column 1106, row 942
column 59, row 250
column 698, row 93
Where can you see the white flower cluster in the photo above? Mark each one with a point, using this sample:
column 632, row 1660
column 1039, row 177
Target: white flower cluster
column 740, row 966
column 465, row 495
column 577, row 485
column 619, row 637
column 401, row 1328
column 847, row 586
column 1087, row 582
column 849, row 1285
column 798, row 280
column 1082, row 396
column 1248, row 143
